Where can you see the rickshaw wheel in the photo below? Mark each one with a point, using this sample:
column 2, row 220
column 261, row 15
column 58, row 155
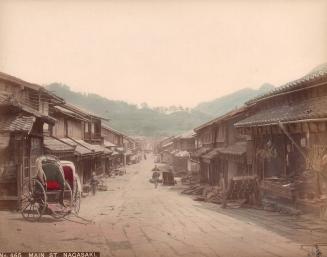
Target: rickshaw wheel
column 33, row 201
column 68, row 204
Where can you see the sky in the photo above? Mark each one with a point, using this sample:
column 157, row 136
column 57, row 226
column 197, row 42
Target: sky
column 169, row 52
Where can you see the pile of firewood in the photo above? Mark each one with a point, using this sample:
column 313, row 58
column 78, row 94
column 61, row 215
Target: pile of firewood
column 241, row 191
column 194, row 190
column 205, row 193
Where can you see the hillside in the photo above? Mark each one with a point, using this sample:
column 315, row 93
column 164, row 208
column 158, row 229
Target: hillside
column 130, row 118
column 160, row 121
column 226, row 103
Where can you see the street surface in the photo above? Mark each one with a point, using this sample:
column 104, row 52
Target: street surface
column 133, row 218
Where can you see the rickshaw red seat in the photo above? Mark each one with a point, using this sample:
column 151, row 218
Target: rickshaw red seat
column 69, row 175
column 53, row 185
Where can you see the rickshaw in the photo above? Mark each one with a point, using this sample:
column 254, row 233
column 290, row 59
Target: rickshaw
column 56, row 190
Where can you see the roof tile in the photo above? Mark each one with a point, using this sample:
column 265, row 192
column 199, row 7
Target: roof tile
column 17, row 123
column 308, row 109
column 55, row 145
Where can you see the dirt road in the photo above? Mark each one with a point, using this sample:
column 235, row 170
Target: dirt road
column 135, row 219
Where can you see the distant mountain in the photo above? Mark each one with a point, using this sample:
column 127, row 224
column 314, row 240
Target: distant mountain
column 159, row 121
column 130, row 118
column 229, row 102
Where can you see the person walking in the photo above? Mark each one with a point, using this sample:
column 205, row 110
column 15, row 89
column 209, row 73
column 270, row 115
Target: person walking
column 155, row 176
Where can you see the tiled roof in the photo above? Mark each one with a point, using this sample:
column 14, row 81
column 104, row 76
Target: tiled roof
column 314, row 108
column 63, row 110
column 54, row 145
column 222, row 118
column 105, row 125
column 238, row 148
column 81, row 150
column 316, row 75
column 18, row 81
column 83, row 112
column 94, row 148
column 19, row 123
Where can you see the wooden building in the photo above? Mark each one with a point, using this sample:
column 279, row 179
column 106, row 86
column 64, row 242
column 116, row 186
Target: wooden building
column 185, row 141
column 184, row 145
column 24, row 110
column 130, row 149
column 75, row 137
column 221, row 149
column 288, row 138
column 111, row 135
column 113, row 140
column 165, row 148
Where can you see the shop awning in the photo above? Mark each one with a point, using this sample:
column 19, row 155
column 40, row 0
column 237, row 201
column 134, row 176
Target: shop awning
column 97, row 149
column 306, row 110
column 237, row 149
column 55, row 145
column 80, row 150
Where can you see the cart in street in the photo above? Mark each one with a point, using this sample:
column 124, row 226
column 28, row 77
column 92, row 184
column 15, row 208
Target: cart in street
column 55, row 191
